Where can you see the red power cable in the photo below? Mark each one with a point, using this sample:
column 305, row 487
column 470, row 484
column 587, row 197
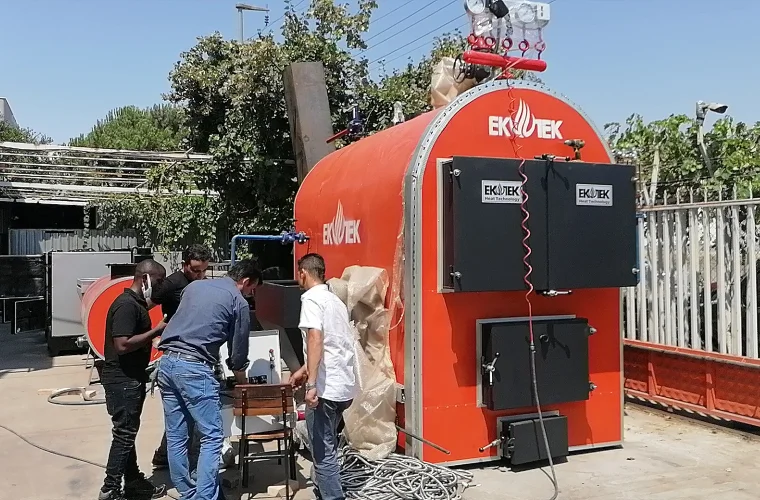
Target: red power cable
column 516, row 146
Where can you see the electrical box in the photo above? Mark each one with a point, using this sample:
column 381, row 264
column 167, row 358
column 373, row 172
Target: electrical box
column 562, row 370
column 524, row 440
column 582, row 223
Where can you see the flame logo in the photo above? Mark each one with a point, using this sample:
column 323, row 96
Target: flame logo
column 523, row 122
column 500, row 190
column 338, row 228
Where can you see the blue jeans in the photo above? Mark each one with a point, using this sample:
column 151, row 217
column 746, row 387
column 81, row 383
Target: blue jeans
column 322, row 425
column 190, row 395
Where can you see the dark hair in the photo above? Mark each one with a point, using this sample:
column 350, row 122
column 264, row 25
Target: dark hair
column 314, row 264
column 271, row 273
column 243, row 269
column 196, row 252
column 149, row 266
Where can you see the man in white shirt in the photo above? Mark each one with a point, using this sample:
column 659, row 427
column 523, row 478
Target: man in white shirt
column 329, row 372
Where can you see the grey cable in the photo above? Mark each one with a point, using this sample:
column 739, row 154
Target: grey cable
column 399, row 477
column 48, row 450
column 553, row 478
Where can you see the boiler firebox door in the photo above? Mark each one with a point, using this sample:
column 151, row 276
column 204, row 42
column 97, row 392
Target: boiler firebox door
column 582, row 225
column 562, row 370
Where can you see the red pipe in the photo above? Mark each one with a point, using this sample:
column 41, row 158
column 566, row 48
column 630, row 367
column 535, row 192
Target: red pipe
column 490, row 59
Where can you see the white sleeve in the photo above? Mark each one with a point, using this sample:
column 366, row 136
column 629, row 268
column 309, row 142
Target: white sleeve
column 311, row 316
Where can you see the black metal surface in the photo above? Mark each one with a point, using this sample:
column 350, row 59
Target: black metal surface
column 279, row 302
column 591, row 240
column 122, row 270
column 525, row 441
column 582, row 223
column 482, row 225
column 562, row 371
column 22, row 276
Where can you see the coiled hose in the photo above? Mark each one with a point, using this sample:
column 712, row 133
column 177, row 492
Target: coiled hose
column 399, row 477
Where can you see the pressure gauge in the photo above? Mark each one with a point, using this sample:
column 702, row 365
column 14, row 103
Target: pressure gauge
column 526, row 13
column 475, row 7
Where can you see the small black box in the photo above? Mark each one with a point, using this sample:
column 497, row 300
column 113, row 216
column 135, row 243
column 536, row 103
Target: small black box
column 279, row 302
column 524, row 440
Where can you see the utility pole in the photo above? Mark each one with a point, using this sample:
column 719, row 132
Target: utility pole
column 240, row 8
column 308, row 114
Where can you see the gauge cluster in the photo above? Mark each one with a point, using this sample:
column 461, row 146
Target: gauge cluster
column 500, row 18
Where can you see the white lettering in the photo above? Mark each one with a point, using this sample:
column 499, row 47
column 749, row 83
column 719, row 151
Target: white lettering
column 524, row 124
column 340, row 231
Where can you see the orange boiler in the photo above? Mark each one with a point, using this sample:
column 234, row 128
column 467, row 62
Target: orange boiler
column 96, row 301
column 438, row 202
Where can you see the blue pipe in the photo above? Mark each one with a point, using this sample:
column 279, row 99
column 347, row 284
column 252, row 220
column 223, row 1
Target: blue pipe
column 285, row 238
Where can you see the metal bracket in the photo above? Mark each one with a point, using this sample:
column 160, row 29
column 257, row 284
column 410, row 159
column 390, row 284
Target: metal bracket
column 400, row 394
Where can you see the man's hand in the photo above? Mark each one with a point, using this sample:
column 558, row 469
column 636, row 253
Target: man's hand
column 311, row 398
column 298, row 378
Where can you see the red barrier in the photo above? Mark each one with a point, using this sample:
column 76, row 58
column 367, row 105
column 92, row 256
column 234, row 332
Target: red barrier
column 495, row 60
column 717, row 385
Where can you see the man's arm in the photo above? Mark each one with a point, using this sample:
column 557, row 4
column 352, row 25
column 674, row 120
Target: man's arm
column 314, row 346
column 238, row 360
column 124, row 321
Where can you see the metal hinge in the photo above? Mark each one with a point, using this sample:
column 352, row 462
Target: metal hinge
column 400, row 395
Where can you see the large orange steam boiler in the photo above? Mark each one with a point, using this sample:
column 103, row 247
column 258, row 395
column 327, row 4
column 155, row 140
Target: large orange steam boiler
column 436, row 202
column 96, row 301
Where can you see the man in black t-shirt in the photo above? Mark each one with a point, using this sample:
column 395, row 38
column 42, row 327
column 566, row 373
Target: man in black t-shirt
column 195, row 261
column 127, row 355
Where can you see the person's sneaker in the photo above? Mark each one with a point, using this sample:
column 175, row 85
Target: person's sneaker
column 110, row 495
column 142, row 489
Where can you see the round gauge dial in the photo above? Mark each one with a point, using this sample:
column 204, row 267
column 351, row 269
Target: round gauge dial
column 526, row 13
column 475, row 7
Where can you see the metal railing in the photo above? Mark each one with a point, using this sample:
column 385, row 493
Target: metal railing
column 691, row 251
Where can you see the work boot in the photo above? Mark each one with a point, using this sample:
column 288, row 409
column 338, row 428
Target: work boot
column 110, row 495
column 160, row 461
column 142, row 489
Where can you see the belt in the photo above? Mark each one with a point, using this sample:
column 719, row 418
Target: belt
column 188, row 357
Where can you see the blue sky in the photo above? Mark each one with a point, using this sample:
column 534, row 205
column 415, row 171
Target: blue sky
column 66, row 63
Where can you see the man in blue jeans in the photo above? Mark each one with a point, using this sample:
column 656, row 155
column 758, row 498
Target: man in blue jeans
column 211, row 313
column 329, row 372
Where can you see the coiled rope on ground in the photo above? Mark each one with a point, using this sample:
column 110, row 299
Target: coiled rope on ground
column 399, row 477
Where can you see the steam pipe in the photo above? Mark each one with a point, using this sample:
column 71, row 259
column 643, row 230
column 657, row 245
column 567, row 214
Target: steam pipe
column 495, row 60
column 285, row 237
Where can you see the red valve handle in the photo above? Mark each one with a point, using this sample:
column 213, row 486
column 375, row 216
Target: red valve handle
column 506, row 44
column 524, row 45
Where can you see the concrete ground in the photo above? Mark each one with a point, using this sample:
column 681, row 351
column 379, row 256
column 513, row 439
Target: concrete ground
column 664, row 458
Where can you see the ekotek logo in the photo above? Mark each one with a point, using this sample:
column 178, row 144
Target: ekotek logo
column 501, row 191
column 596, row 195
column 524, row 124
column 340, row 230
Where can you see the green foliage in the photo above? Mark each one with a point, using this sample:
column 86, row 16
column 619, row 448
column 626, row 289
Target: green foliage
column 9, row 133
column 158, row 128
column 731, row 146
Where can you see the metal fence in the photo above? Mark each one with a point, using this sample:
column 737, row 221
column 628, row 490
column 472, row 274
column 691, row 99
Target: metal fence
column 38, row 241
column 698, row 276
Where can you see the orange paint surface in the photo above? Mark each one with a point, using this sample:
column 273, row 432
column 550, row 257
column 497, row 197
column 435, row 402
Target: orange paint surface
column 96, row 301
column 364, row 182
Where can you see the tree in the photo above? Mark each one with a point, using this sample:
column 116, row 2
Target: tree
column 159, row 128
column 10, row 133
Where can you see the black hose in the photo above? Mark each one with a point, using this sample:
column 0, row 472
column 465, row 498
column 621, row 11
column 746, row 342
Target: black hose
column 553, row 478
column 48, row 450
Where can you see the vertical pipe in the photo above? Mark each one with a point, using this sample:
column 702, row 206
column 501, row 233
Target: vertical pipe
column 667, row 279
column 695, row 341
column 752, row 347
column 630, row 324
column 736, row 303
column 720, row 230
column 240, row 11
column 654, row 268
column 642, row 288
column 707, row 279
column 681, row 284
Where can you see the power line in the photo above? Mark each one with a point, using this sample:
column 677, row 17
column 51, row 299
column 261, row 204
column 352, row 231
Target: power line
column 292, row 9
column 394, row 10
column 418, row 38
column 416, row 47
column 405, row 29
